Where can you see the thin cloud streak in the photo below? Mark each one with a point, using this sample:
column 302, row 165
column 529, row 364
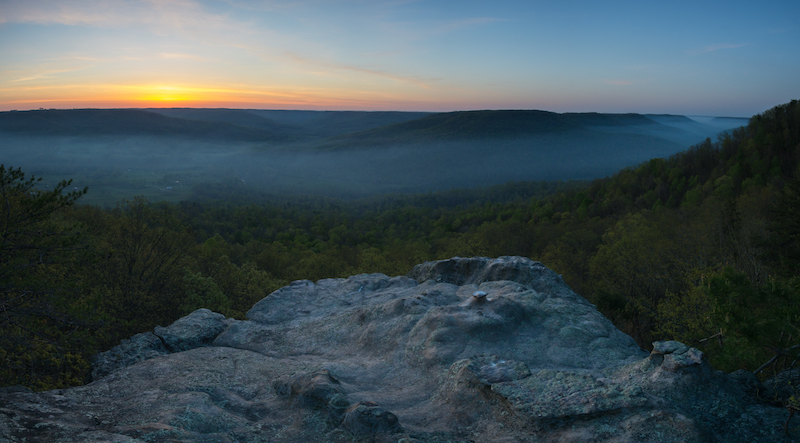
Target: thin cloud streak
column 73, row 13
column 468, row 22
column 373, row 72
column 178, row 56
column 619, row 82
column 712, row 48
column 627, row 81
column 44, row 75
column 157, row 15
column 149, row 95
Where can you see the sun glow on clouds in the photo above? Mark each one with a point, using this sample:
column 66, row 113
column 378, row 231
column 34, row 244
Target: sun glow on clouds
column 159, row 95
column 167, row 94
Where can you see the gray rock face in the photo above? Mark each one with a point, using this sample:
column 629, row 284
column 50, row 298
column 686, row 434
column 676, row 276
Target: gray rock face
column 416, row 358
column 196, row 329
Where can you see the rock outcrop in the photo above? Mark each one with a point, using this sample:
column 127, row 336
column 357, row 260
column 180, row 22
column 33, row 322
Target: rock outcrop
column 467, row 349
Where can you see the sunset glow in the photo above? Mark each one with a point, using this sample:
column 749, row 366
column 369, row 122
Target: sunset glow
column 167, row 94
column 412, row 55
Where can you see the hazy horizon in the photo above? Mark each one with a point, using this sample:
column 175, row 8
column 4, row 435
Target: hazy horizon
column 696, row 117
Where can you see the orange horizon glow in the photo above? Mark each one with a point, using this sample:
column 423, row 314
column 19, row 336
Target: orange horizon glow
column 192, row 96
column 168, row 94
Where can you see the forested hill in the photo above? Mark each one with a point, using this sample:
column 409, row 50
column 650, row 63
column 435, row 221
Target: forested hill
column 309, row 123
column 701, row 247
column 765, row 153
column 478, row 126
column 239, row 117
column 120, row 153
column 127, row 122
column 343, row 128
column 471, row 125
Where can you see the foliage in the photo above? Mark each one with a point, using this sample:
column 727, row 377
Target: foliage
column 756, row 320
column 686, row 317
column 44, row 322
column 782, row 240
column 202, row 292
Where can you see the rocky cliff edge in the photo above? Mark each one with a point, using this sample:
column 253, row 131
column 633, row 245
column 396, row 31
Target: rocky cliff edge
column 466, row 349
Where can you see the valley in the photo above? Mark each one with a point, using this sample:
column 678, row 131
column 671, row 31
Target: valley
column 343, row 154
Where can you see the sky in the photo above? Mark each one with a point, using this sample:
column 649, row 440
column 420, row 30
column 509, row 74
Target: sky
column 714, row 58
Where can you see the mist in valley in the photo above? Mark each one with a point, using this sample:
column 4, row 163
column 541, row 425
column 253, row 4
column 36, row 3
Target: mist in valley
column 369, row 154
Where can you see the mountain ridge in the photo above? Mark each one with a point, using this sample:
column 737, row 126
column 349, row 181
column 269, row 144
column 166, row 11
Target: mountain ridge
column 337, row 129
column 95, row 122
column 317, row 152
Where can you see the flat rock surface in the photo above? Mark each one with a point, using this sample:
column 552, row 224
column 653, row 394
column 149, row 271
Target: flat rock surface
column 466, row 349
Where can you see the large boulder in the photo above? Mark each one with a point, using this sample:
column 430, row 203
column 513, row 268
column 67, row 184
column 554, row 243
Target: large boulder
column 196, row 329
column 466, row 349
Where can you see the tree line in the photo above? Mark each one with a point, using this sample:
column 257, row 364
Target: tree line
column 701, row 247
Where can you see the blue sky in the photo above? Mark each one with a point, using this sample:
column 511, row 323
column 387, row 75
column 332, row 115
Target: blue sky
column 694, row 58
